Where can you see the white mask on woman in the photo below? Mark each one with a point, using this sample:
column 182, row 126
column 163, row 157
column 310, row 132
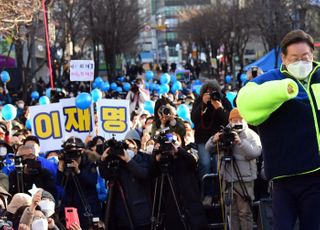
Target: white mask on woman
column 39, row 224
column 47, row 207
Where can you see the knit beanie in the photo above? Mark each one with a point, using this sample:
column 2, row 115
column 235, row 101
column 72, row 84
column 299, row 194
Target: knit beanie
column 234, row 114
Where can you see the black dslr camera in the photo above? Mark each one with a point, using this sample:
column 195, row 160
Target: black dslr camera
column 215, row 95
column 166, row 149
column 226, row 139
column 72, row 150
column 116, row 149
column 254, row 71
column 164, row 110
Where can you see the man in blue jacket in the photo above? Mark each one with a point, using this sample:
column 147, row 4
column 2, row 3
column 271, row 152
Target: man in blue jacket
column 284, row 104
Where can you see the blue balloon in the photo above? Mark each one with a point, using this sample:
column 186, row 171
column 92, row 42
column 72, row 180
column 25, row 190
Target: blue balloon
column 28, row 124
column 243, row 77
column 83, row 101
column 114, row 86
column 147, row 85
column 94, row 85
column 96, row 95
column 197, row 82
column 176, row 86
column 35, row 95
column 5, row 77
column 156, row 88
column 231, row 96
column 228, row 79
column 119, row 89
column 48, row 92
column 9, row 112
column 149, row 106
column 165, row 78
column 183, row 111
column 173, row 78
column 198, row 89
column 126, row 86
column 105, row 86
column 151, row 86
column 149, row 75
column 44, row 100
column 164, row 88
column 122, row 78
column 98, row 82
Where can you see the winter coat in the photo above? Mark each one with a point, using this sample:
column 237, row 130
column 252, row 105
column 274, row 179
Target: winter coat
column 244, row 156
column 87, row 180
column 137, row 100
column 134, row 178
column 182, row 169
column 44, row 179
column 288, row 123
column 208, row 123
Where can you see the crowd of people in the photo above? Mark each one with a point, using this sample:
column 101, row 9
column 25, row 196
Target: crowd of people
column 153, row 179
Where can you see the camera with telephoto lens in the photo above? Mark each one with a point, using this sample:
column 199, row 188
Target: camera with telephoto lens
column 33, row 165
column 72, row 150
column 116, row 149
column 165, row 110
column 226, row 139
column 166, row 141
column 215, row 95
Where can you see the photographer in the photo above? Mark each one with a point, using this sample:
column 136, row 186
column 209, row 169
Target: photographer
column 180, row 165
column 32, row 172
column 209, row 112
column 240, row 146
column 137, row 96
column 78, row 176
column 127, row 171
column 165, row 116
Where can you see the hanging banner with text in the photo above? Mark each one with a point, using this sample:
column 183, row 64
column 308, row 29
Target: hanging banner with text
column 113, row 118
column 81, row 70
column 47, row 124
column 77, row 122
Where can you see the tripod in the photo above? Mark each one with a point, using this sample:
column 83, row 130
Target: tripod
column 69, row 174
column 19, row 170
column 229, row 188
column 111, row 185
column 156, row 217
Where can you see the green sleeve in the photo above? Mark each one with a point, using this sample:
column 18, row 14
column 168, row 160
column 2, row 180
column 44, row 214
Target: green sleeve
column 257, row 102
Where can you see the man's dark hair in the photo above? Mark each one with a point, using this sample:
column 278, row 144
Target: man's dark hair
column 296, row 36
column 31, row 138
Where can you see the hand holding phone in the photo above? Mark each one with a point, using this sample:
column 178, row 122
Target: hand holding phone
column 71, row 215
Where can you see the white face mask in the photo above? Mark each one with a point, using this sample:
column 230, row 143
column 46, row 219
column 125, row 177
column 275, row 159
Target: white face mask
column 130, row 153
column 54, row 160
column 39, row 224
column 47, row 207
column 20, row 105
column 149, row 149
column 3, row 151
column 300, row 69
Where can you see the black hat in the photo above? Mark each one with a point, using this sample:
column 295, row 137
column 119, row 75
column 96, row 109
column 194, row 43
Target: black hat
column 73, row 143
